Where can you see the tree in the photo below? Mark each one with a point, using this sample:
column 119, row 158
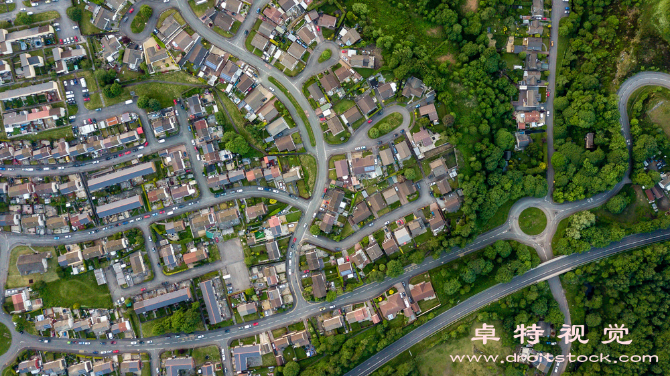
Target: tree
column 113, row 90
column 617, row 203
column 291, row 369
column 143, row 102
column 504, row 139
column 394, row 268
column 452, row 286
column 374, row 133
column 22, row 18
column 235, row 143
column 76, row 306
column 410, row 173
column 74, row 14
column 154, row 104
column 448, row 119
column 146, row 11
column 331, row 295
column 315, row 229
column 522, row 55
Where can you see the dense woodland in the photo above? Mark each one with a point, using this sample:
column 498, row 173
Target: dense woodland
column 601, row 35
column 630, row 289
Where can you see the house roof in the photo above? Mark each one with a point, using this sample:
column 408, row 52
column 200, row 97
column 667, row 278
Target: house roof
column 162, row 300
column 422, row 291
column 374, row 252
column 121, row 175
column 329, row 82
column 306, row 35
column 402, row 235
column 242, row 354
column 212, row 305
column 429, row 110
column 413, row 87
column 285, row 143
column 333, row 323
column 119, row 206
column 296, row 50
column 247, row 308
column 335, row 125
column 314, row 262
column 377, row 202
column 361, row 212
column 366, row 104
column 319, row 285
column 173, row 366
column 342, row 168
column 386, row 156
column 259, row 41
column 443, row 186
column 392, row 305
column 326, row 20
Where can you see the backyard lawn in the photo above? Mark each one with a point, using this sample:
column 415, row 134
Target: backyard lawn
column 532, row 221
column 51, row 134
column 81, row 288
column 202, row 355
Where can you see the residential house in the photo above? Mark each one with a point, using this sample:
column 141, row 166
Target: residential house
column 329, row 83
column 391, row 306
column 319, row 285
column 163, row 300
column 333, row 323
column 429, row 111
column 335, row 126
column 361, row 212
column 362, row 61
column 366, row 104
column 351, row 115
column 256, row 211
column 314, row 262
column 285, row 143
column 259, row 41
column 413, row 88
column 390, row 246
column 376, row 202
column 350, row 37
column 386, row 90
column 327, row 21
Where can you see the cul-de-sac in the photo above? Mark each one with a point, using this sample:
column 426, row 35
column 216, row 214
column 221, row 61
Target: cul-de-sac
column 334, row 187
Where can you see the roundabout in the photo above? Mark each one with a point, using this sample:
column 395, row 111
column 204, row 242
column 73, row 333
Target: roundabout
column 532, row 221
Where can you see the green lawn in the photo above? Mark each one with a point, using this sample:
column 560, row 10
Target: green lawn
column 81, row 288
column 386, row 125
column 199, row 10
column 15, row 279
column 5, row 339
column 140, row 21
column 202, row 355
column 325, row 55
column 168, row 13
column 532, row 221
column 51, row 134
column 308, row 163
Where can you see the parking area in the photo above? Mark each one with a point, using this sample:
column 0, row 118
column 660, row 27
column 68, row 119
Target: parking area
column 232, row 256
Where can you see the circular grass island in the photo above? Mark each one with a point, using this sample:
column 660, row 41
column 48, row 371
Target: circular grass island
column 532, row 221
column 5, row 339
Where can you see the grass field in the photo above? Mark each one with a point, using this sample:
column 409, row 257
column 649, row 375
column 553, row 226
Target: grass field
column 202, row 355
column 532, row 221
column 140, row 21
column 308, row 163
column 81, row 288
column 434, row 361
column 199, row 10
column 15, row 279
column 5, row 339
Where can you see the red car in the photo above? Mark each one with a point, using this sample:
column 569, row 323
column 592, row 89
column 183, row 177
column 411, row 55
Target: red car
column 128, row 152
column 87, row 99
column 113, row 342
column 161, row 212
column 61, row 41
column 115, row 351
column 256, row 324
column 147, row 216
column 146, row 143
column 143, row 289
column 369, row 121
column 175, row 101
column 90, row 121
column 325, row 190
column 294, row 239
column 131, row 10
column 216, row 239
column 318, row 28
column 76, row 39
column 121, row 155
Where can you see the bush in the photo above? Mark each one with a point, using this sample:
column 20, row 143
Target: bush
column 74, row 14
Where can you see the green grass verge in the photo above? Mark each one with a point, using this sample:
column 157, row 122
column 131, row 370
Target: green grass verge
column 298, row 108
column 532, row 221
column 325, row 55
column 52, row 134
column 385, row 125
column 5, row 339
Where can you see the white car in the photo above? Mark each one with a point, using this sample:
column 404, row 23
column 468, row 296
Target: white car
column 96, row 162
column 65, row 83
column 201, row 336
column 260, row 188
column 61, row 168
column 239, row 191
column 23, row 9
column 75, row 27
column 46, row 168
column 272, row 89
column 71, row 82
